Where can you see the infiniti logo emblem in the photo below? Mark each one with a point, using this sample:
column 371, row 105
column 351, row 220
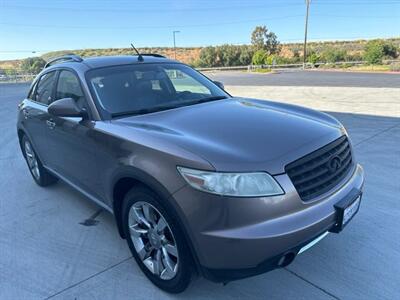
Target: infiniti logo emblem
column 334, row 164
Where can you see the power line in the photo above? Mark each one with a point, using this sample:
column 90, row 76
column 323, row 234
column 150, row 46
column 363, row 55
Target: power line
column 358, row 16
column 188, row 25
column 150, row 10
column 147, row 27
column 196, row 9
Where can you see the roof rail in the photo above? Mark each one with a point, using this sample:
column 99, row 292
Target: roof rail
column 67, row 57
column 152, row 54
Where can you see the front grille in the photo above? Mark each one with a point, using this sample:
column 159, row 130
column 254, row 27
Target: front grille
column 320, row 171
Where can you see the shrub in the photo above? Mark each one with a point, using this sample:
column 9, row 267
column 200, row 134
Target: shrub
column 390, row 50
column 33, row 65
column 332, row 55
column 313, row 58
column 228, row 55
column 208, row 57
column 374, row 52
column 259, row 57
column 272, row 60
column 246, row 55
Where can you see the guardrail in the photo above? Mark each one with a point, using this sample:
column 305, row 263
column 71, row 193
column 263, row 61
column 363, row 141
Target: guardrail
column 293, row 66
column 16, row 78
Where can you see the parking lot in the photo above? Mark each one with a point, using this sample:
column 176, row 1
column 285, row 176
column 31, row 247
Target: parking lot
column 47, row 253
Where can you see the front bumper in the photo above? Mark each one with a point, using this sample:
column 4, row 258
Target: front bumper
column 240, row 237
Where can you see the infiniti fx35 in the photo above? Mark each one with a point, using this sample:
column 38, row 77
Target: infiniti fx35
column 200, row 182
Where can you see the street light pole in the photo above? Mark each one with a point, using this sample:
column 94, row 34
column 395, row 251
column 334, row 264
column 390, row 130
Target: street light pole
column 174, row 32
column 305, row 34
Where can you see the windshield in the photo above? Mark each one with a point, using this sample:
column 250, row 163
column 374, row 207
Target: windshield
column 144, row 88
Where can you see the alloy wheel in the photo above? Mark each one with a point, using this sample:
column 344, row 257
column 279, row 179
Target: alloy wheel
column 153, row 240
column 32, row 160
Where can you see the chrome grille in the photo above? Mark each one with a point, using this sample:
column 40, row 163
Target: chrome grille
column 320, row 171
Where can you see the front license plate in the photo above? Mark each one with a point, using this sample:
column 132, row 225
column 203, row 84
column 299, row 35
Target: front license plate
column 351, row 210
column 346, row 209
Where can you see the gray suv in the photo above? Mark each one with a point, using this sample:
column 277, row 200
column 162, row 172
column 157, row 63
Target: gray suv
column 199, row 182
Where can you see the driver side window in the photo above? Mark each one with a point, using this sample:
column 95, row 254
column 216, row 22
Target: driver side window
column 44, row 88
column 68, row 86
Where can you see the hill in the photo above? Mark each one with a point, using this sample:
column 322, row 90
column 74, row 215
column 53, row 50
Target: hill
column 190, row 55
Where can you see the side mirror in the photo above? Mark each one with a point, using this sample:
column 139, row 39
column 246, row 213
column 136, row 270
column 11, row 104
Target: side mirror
column 66, row 107
column 219, row 84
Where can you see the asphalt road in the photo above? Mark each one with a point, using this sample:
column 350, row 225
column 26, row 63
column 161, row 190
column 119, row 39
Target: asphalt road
column 308, row 78
column 46, row 253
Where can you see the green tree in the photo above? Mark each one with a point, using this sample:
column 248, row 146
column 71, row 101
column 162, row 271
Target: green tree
column 262, row 39
column 374, row 51
column 259, row 57
column 33, row 65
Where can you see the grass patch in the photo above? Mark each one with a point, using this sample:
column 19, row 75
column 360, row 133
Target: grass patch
column 262, row 70
column 362, row 68
column 370, row 68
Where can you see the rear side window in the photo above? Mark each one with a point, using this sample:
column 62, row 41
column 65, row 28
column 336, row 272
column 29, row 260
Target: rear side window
column 44, row 90
column 68, row 86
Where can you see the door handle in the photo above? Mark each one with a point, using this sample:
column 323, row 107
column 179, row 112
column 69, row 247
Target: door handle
column 26, row 113
column 51, row 124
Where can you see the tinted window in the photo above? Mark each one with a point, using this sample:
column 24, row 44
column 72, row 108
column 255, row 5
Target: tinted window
column 68, row 86
column 31, row 91
column 45, row 88
column 142, row 87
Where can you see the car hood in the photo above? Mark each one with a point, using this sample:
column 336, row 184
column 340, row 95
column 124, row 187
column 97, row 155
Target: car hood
column 239, row 134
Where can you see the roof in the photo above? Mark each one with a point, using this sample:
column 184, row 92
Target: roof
column 106, row 61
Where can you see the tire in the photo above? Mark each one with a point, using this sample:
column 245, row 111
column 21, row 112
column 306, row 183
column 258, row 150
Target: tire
column 41, row 176
column 135, row 203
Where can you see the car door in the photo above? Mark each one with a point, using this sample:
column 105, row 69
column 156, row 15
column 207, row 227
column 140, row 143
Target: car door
column 72, row 141
column 34, row 110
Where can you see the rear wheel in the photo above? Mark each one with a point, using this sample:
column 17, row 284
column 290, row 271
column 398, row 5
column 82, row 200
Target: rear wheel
column 156, row 241
column 41, row 176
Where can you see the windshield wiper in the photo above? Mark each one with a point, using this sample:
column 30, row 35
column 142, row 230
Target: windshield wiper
column 140, row 111
column 207, row 99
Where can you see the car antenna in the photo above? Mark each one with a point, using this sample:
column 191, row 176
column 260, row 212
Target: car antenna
column 140, row 57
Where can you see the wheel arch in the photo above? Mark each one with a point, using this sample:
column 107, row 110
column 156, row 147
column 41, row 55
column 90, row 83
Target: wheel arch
column 126, row 179
column 21, row 133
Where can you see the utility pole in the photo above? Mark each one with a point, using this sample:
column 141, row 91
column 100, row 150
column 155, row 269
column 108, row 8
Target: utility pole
column 173, row 33
column 305, row 34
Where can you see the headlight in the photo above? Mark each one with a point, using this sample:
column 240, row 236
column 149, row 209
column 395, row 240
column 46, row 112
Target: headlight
column 232, row 184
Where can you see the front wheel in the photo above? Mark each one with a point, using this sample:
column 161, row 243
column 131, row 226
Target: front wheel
column 156, row 241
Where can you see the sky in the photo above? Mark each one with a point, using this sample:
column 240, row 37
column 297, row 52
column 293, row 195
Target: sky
column 41, row 26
